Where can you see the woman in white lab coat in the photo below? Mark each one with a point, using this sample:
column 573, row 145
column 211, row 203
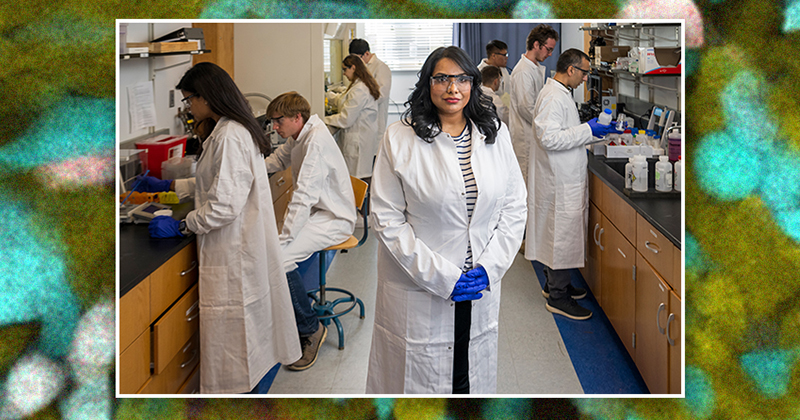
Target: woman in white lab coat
column 357, row 117
column 448, row 208
column 247, row 323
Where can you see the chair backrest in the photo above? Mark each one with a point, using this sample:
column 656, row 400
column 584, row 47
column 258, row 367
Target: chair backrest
column 359, row 190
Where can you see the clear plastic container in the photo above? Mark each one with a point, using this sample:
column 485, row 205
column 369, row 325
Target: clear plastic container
column 663, row 174
column 620, row 121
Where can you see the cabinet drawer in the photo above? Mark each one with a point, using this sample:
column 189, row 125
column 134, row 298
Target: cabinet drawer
column 655, row 248
column 280, row 182
column 192, row 385
column 619, row 213
column 172, row 279
column 134, row 313
column 172, row 378
column 134, row 364
column 174, row 329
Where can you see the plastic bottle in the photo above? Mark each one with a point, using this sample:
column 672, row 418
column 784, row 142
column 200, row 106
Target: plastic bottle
column 674, row 144
column 627, row 138
column 620, row 121
column 605, row 117
column 639, row 177
column 678, row 174
column 663, row 174
column 629, row 173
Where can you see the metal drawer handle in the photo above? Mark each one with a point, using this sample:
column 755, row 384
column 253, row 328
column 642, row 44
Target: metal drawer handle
column 280, row 182
column 594, row 234
column 190, row 310
column 661, row 307
column 188, row 362
column 599, row 238
column 623, row 254
column 647, row 245
column 669, row 322
column 194, row 265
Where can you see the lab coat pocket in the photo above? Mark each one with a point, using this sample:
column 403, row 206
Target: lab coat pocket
column 214, row 286
column 571, row 197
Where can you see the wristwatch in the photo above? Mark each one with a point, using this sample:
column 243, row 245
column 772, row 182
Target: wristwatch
column 182, row 227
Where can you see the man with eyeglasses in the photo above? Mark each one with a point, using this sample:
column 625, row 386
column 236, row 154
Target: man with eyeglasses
column 497, row 55
column 558, row 192
column 527, row 80
column 321, row 212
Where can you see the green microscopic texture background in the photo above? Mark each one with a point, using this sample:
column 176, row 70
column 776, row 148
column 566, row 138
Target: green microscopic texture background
column 745, row 301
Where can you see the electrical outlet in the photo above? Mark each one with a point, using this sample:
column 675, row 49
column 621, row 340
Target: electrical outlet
column 172, row 98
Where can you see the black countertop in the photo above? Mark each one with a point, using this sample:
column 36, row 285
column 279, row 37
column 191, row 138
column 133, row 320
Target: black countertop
column 140, row 255
column 663, row 213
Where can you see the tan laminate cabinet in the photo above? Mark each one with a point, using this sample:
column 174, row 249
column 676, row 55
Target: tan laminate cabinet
column 617, row 261
column 652, row 312
column 158, row 320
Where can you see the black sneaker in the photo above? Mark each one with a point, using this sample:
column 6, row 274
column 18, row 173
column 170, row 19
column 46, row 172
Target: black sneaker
column 574, row 292
column 569, row 308
column 310, row 346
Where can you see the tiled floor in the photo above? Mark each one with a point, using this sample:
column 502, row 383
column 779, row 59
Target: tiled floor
column 531, row 355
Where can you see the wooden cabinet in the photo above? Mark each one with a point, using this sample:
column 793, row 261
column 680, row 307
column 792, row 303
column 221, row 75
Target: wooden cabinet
column 634, row 271
column 158, row 322
column 617, row 260
column 652, row 312
column 280, row 184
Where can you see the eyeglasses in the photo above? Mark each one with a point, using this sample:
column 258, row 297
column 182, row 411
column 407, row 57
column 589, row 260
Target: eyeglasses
column 186, row 99
column 550, row 50
column 462, row 81
column 585, row 72
column 501, row 54
column 274, row 121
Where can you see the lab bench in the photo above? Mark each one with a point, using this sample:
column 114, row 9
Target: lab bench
column 633, row 267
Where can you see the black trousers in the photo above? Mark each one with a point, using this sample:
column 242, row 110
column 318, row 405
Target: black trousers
column 461, row 347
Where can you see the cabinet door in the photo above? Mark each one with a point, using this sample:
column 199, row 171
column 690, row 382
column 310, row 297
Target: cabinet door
column 618, row 257
column 175, row 329
column 591, row 271
column 677, row 271
column 134, row 364
column 134, row 313
column 655, row 248
column 652, row 311
column 172, row 279
column 675, row 342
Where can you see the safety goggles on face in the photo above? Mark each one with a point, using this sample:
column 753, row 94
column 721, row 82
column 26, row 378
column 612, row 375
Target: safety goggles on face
column 501, row 54
column 443, row 80
column 274, row 121
column 186, row 100
column 585, row 72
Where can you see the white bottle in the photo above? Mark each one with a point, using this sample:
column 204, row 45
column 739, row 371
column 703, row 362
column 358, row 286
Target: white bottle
column 678, row 175
column 639, row 178
column 605, row 117
column 629, row 172
column 663, row 174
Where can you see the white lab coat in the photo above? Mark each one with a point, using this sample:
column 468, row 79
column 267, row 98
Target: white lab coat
column 526, row 82
column 358, row 119
column 322, row 211
column 505, row 84
column 502, row 109
column 381, row 72
column 558, row 194
column 419, row 214
column 247, row 322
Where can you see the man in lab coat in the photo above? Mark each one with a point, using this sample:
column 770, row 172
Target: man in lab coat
column 321, row 212
column 492, row 77
column 557, row 189
column 381, row 72
column 497, row 55
column 526, row 82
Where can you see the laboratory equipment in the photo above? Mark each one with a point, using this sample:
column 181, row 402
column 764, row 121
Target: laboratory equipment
column 678, row 174
column 148, row 211
column 159, row 149
column 621, row 119
column 605, row 117
column 639, row 176
column 663, row 174
column 674, row 142
column 629, row 173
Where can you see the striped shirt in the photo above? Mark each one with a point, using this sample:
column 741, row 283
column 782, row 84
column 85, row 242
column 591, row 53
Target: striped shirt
column 464, row 150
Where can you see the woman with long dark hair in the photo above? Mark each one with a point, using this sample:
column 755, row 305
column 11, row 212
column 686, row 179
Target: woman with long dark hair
column 247, row 324
column 448, row 208
column 357, row 117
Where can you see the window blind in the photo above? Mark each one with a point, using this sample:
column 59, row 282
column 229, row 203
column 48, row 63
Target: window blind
column 406, row 45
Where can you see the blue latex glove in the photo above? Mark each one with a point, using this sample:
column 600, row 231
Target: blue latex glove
column 600, row 130
column 152, row 184
column 164, row 227
column 470, row 284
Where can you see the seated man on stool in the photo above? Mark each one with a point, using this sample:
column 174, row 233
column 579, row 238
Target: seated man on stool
column 322, row 210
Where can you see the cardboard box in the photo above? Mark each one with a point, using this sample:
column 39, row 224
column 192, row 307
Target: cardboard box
column 610, row 54
column 163, row 47
column 660, row 60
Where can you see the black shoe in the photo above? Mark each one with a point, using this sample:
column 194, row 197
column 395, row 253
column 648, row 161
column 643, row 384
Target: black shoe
column 574, row 292
column 569, row 308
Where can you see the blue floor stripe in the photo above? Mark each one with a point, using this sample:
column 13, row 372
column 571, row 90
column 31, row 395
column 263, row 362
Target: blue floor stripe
column 600, row 360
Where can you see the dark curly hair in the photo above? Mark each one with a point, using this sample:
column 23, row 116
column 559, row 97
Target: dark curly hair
column 422, row 115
